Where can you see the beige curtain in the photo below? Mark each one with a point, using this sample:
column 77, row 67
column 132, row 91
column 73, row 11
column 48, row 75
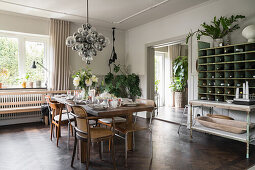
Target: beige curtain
column 174, row 52
column 59, row 31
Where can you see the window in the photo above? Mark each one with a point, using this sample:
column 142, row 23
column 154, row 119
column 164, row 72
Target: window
column 17, row 53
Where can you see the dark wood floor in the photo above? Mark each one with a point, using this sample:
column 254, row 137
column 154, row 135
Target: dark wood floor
column 29, row 147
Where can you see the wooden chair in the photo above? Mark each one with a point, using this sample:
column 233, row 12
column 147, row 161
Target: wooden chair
column 88, row 134
column 124, row 128
column 58, row 118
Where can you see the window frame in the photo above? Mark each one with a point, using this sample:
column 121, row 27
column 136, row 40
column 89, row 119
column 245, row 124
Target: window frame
column 22, row 38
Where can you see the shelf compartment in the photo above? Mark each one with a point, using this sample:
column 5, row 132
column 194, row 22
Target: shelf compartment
column 250, row 56
column 250, row 47
column 210, row 59
column 210, row 97
column 202, row 68
column 202, row 90
column 239, row 74
column 201, row 75
column 210, row 82
column 210, row 75
column 239, row 66
column 219, row 75
column 250, row 65
column 228, row 50
column 219, row 98
column 239, row 48
column 229, row 74
column 219, row 51
column 228, row 58
column 219, row 67
column 219, row 83
column 202, row 60
column 210, row 52
column 239, row 57
column 210, row 90
column 210, row 67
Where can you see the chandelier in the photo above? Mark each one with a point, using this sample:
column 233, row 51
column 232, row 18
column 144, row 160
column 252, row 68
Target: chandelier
column 87, row 41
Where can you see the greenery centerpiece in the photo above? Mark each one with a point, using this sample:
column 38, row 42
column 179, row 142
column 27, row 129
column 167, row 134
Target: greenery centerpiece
column 4, row 74
column 218, row 28
column 122, row 84
column 179, row 84
column 85, row 80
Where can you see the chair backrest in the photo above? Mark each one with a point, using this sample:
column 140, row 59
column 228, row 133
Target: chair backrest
column 56, row 109
column 146, row 102
column 81, row 119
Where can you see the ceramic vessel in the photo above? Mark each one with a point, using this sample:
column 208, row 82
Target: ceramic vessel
column 31, row 84
column 249, row 33
column 1, row 85
column 38, row 84
column 218, row 42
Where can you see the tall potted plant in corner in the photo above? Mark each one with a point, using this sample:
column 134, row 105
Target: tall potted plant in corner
column 179, row 84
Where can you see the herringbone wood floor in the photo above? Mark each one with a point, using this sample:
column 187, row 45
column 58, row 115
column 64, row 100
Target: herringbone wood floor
column 28, row 147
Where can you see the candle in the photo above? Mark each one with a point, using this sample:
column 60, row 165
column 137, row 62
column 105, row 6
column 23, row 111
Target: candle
column 247, row 90
column 244, row 92
column 237, row 93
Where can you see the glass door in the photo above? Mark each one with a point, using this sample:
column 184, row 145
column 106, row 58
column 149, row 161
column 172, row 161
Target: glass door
column 160, row 77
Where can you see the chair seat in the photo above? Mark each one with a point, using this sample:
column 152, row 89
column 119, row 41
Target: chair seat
column 98, row 132
column 116, row 119
column 64, row 117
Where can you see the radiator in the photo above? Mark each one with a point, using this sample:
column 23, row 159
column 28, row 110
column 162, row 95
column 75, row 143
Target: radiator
column 15, row 101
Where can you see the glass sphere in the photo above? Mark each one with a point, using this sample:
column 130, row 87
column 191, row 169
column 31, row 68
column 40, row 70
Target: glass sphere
column 80, row 30
column 78, row 46
column 93, row 29
column 91, row 38
column 83, row 58
column 70, row 41
column 92, row 52
column 107, row 41
column 85, row 33
column 100, row 38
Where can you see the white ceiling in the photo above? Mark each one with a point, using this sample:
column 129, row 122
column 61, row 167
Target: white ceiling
column 101, row 12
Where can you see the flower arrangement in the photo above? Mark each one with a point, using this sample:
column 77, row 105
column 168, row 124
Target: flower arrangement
column 85, row 80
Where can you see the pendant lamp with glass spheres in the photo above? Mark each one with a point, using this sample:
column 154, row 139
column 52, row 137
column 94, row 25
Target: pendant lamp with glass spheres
column 87, row 41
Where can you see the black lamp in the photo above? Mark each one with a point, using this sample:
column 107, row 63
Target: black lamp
column 33, row 65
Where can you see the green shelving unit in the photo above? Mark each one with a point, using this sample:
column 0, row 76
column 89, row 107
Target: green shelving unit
column 222, row 69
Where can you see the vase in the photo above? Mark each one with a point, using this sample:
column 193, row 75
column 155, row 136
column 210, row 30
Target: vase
column 24, row 84
column 218, row 42
column 85, row 94
column 249, row 33
column 1, row 85
column 31, row 84
column 38, row 84
column 179, row 99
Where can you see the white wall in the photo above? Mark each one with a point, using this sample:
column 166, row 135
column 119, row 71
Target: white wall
column 99, row 65
column 23, row 23
column 178, row 25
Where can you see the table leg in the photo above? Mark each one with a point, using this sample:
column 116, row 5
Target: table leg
column 129, row 135
column 248, row 135
column 190, row 121
column 83, row 151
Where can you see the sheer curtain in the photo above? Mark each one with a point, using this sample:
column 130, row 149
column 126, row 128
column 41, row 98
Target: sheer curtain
column 59, row 31
column 174, row 52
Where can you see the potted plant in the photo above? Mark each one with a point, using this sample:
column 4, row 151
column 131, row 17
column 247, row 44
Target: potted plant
column 123, row 85
column 179, row 84
column 218, row 29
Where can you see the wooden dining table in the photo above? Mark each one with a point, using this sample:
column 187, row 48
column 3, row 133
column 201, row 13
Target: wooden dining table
column 109, row 113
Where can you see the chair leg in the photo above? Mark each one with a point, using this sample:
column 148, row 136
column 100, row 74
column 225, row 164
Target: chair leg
column 133, row 141
column 126, row 148
column 58, row 133
column 88, row 154
column 68, row 140
column 74, row 150
column 51, row 131
column 100, row 150
column 109, row 145
column 113, row 153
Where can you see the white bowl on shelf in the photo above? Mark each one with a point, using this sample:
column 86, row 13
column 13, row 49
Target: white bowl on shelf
column 229, row 101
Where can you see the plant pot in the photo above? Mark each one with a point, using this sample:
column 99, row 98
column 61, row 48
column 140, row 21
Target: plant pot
column 218, row 42
column 1, row 85
column 38, row 84
column 24, row 84
column 179, row 99
column 249, row 33
column 31, row 84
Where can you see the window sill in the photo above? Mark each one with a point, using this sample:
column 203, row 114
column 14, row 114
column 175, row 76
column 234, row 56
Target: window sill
column 20, row 88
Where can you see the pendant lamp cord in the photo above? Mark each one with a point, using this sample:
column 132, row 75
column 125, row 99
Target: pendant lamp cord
column 87, row 11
